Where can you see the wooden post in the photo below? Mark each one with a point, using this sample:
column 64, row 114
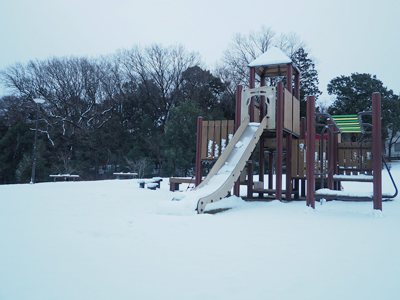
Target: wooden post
column 270, row 170
column 289, row 166
column 303, row 128
column 236, row 187
column 252, row 85
column 261, row 142
column 289, row 74
column 279, row 141
column 297, row 86
column 250, row 166
column 335, row 157
column 310, row 151
column 198, row 171
column 331, row 159
column 250, row 177
column 377, row 150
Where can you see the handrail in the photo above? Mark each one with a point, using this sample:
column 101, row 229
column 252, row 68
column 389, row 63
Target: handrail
column 391, row 178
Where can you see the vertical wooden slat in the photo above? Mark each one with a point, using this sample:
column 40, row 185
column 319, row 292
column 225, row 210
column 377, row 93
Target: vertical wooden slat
column 231, row 129
column 340, row 156
column 354, row 158
column 317, row 157
column 302, row 156
column 204, row 140
column 324, row 162
column 347, row 157
column 287, row 110
column 210, row 143
column 295, row 158
column 224, row 135
column 289, row 139
column 368, row 162
column 217, row 139
column 257, row 113
column 296, row 116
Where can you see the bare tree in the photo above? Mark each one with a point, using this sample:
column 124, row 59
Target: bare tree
column 157, row 71
column 245, row 48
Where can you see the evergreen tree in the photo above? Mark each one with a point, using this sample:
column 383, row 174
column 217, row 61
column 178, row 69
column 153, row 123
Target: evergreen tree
column 180, row 139
column 354, row 94
column 308, row 78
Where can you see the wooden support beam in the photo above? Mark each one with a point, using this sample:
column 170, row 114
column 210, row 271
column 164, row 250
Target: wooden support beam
column 331, row 162
column 261, row 142
column 252, row 86
column 288, row 167
column 271, row 170
column 236, row 188
column 377, row 149
column 297, row 86
column 289, row 74
column 310, row 151
column 279, row 140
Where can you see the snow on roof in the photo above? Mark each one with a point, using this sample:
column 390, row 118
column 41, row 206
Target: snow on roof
column 273, row 56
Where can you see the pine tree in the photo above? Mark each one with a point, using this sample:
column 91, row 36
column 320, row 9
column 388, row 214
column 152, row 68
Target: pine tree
column 308, row 78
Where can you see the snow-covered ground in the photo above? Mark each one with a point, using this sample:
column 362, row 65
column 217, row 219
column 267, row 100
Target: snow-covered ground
column 110, row 240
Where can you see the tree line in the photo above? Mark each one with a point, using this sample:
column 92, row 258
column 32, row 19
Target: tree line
column 134, row 110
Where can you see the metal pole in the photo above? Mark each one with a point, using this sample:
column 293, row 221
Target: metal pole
column 34, row 147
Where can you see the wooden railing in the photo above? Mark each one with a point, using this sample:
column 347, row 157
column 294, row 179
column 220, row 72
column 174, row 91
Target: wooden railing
column 353, row 158
column 215, row 137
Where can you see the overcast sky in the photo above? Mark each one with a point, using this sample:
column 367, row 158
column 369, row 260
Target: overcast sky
column 344, row 36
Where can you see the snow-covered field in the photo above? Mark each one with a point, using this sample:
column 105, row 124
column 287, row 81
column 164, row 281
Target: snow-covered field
column 111, row 240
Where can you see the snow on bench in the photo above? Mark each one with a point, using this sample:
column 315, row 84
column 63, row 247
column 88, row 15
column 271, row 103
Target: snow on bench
column 343, row 195
column 361, row 177
column 152, row 184
column 122, row 174
column 65, row 176
column 174, row 182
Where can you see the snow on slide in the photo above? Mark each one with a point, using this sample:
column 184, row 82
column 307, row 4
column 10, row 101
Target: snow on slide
column 222, row 176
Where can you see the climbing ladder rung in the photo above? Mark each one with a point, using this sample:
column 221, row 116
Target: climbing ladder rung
column 347, row 123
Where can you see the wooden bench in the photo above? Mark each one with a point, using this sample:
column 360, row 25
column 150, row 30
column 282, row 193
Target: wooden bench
column 174, row 182
column 122, row 174
column 65, row 176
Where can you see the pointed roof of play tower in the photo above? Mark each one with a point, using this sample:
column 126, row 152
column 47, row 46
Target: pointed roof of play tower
column 273, row 63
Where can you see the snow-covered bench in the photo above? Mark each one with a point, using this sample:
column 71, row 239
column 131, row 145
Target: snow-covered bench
column 65, row 176
column 152, row 184
column 174, row 182
column 359, row 178
column 122, row 174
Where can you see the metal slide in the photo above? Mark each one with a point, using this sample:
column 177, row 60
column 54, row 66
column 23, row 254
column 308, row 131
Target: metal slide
column 219, row 182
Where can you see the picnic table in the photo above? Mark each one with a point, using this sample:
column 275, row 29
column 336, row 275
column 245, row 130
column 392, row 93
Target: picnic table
column 65, row 176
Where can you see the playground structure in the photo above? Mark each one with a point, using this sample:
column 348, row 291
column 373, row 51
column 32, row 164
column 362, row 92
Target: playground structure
column 270, row 117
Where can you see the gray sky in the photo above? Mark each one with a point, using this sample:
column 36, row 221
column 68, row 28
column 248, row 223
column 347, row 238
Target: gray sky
column 344, row 36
